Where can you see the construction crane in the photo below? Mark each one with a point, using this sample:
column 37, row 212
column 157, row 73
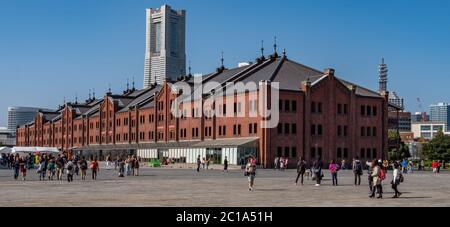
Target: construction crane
column 419, row 105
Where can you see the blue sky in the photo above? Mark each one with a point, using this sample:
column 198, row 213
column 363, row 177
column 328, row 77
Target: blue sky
column 55, row 48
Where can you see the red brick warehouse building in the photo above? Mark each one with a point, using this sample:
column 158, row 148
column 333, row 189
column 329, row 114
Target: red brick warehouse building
column 320, row 115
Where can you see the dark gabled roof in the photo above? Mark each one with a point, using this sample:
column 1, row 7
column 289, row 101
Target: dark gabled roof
column 362, row 91
column 94, row 109
column 289, row 74
column 122, row 101
column 58, row 117
column 146, row 94
column 49, row 116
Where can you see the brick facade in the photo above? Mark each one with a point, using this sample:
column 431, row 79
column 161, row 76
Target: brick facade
column 324, row 116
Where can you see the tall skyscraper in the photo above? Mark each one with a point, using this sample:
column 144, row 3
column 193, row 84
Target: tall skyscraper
column 440, row 113
column 165, row 49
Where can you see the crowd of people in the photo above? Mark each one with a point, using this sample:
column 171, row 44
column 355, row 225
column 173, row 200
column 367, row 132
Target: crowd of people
column 377, row 170
column 49, row 166
column 281, row 163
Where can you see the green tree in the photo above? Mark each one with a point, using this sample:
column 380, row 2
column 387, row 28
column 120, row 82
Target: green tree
column 402, row 152
column 438, row 148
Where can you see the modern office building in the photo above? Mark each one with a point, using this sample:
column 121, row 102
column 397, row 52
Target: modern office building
column 320, row 115
column 440, row 113
column 402, row 120
column 21, row 115
column 165, row 45
column 427, row 130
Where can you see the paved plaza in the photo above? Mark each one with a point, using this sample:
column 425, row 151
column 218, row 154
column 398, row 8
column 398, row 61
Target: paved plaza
column 186, row 188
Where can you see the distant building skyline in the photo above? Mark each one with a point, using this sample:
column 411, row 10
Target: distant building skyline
column 19, row 115
column 440, row 113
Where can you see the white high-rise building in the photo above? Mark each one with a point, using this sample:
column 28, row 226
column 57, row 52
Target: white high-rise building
column 165, row 50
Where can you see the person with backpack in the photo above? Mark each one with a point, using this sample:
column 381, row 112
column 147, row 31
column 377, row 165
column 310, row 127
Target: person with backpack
column 317, row 168
column 398, row 178
column 376, row 179
column 301, row 169
column 51, row 169
column 94, row 168
column 334, row 168
column 70, row 170
column 83, row 168
column 357, row 170
column 250, row 172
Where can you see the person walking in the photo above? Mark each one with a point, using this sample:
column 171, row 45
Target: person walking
column 94, row 168
column 16, row 166
column 83, row 167
column 208, row 161
column 121, row 164
column 334, row 168
column 108, row 161
column 396, row 180
column 301, row 169
column 250, row 172
column 282, row 164
column 404, row 165
column 203, row 163
column 434, row 166
column 136, row 166
column 42, row 168
column 70, row 170
column 59, row 167
column 51, row 169
column 317, row 166
column 23, row 167
column 132, row 166
column 376, row 179
column 385, row 165
column 357, row 170
column 199, row 162
column 343, row 164
column 277, row 159
column 225, row 164
column 75, row 163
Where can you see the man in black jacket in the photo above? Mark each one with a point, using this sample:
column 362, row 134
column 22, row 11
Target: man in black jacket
column 199, row 162
column 301, row 169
